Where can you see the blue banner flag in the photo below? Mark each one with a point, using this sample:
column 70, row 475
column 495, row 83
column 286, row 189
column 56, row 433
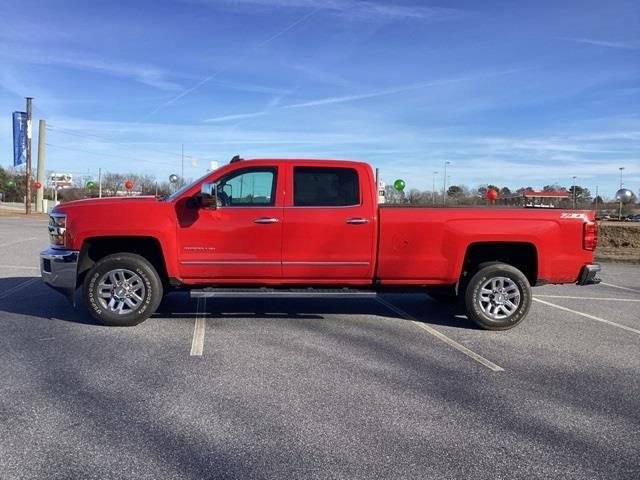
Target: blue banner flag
column 19, row 138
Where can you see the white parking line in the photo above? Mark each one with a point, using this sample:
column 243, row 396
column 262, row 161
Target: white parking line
column 452, row 343
column 589, row 298
column 586, row 315
column 197, row 343
column 18, row 287
column 621, row 288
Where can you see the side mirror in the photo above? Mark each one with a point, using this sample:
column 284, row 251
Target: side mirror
column 208, row 195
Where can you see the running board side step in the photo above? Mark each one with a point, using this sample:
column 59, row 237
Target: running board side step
column 281, row 293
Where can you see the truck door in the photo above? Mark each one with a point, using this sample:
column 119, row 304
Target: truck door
column 240, row 240
column 329, row 226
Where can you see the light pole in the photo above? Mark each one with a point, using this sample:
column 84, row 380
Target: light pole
column 573, row 188
column 433, row 189
column 444, row 190
column 621, row 168
column 620, row 211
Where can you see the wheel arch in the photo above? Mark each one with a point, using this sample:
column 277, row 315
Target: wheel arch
column 95, row 248
column 521, row 255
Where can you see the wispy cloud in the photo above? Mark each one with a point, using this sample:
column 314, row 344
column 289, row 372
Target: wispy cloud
column 271, row 105
column 396, row 90
column 237, row 116
column 143, row 73
column 628, row 45
column 379, row 93
column 250, row 87
column 243, row 57
column 350, row 9
column 317, row 74
column 275, row 104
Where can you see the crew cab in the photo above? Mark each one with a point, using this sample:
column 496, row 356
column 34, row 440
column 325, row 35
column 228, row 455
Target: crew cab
column 285, row 227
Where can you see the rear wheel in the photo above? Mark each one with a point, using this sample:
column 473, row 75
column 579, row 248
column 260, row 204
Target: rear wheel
column 498, row 297
column 122, row 289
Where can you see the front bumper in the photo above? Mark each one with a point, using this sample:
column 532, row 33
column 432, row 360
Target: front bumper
column 59, row 270
column 589, row 274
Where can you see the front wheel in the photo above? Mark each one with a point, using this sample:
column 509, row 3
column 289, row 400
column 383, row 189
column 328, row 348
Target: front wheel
column 498, row 297
column 122, row 290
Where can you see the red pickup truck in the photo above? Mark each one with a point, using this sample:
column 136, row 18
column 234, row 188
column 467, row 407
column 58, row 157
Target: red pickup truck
column 291, row 228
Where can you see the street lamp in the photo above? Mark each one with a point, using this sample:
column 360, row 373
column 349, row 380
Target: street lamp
column 444, row 190
column 574, row 192
column 621, row 168
column 433, row 189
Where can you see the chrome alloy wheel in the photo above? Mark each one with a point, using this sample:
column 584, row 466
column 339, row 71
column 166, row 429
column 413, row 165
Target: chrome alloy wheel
column 499, row 298
column 121, row 291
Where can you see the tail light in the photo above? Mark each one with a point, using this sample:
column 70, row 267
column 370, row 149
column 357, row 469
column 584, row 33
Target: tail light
column 590, row 236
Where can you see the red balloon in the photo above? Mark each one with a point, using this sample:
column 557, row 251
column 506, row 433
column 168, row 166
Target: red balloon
column 128, row 184
column 37, row 185
column 492, row 194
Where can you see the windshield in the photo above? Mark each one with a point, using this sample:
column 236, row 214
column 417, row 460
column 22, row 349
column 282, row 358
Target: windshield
column 179, row 192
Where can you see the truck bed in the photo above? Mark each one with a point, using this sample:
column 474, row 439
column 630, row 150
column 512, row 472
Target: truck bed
column 423, row 245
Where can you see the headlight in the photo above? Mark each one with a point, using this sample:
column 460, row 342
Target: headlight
column 57, row 227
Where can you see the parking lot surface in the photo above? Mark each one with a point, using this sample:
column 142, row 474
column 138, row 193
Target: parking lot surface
column 400, row 387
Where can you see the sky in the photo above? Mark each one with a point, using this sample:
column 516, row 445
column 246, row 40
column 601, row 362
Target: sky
column 511, row 93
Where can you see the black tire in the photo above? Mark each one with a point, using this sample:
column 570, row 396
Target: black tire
column 122, row 290
column 504, row 304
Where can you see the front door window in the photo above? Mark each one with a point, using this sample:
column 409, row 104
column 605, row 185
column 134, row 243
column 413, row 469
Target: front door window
column 247, row 188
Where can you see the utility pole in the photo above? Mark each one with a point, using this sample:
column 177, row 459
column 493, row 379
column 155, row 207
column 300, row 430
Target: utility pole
column 99, row 182
column 42, row 129
column 27, row 180
column 620, row 212
column 596, row 206
column 444, row 189
column 433, row 188
column 621, row 169
column 574, row 192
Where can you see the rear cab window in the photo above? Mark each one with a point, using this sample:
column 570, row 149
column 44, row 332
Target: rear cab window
column 325, row 187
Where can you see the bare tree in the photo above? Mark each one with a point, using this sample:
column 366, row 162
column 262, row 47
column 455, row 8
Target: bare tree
column 112, row 183
column 417, row 197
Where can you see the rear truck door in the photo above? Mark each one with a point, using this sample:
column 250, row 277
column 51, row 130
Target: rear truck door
column 241, row 239
column 329, row 225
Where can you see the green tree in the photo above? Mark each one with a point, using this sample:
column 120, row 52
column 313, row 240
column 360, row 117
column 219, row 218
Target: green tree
column 455, row 191
column 12, row 184
column 581, row 194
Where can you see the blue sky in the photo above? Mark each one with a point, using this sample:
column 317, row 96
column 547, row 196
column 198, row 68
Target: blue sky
column 511, row 93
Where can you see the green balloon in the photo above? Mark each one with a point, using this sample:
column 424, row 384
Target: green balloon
column 90, row 184
column 399, row 184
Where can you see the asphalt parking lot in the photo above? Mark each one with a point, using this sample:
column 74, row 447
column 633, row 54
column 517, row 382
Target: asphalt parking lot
column 400, row 387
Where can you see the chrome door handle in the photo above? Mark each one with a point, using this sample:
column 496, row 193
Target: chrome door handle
column 266, row 220
column 356, row 221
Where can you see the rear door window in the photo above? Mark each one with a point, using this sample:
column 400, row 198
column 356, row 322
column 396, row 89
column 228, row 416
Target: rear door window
column 325, row 187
